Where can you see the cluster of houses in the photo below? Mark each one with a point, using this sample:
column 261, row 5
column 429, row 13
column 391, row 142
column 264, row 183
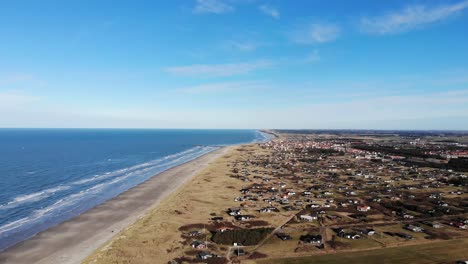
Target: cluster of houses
column 327, row 181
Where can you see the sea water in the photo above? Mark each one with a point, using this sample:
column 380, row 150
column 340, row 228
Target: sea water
column 48, row 176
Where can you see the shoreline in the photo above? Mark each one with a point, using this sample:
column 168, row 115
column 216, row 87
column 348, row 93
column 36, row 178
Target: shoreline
column 75, row 239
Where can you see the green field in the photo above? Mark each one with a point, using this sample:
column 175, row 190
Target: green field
column 438, row 252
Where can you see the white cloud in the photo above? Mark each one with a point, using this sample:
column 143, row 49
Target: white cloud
column 218, row 70
column 316, row 33
column 412, row 17
column 270, row 11
column 212, row 6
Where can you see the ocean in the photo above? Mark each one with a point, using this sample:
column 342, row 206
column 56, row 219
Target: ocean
column 48, row 176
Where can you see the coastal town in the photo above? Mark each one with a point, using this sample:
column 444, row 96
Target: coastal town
column 306, row 195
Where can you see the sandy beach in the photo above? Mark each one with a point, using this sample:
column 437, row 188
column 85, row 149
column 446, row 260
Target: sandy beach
column 73, row 240
column 160, row 236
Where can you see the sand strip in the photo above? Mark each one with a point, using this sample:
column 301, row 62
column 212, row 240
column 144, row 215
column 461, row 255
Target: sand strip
column 75, row 239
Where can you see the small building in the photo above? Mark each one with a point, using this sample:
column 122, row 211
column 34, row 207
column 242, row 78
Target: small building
column 283, row 236
column 311, row 239
column 308, row 218
column 363, row 208
column 204, row 255
column 243, row 217
column 234, row 211
column 195, row 233
column 239, row 252
column 349, row 235
column 198, row 245
column 224, row 228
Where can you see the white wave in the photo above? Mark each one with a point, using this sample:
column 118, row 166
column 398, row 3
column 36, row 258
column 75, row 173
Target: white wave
column 33, row 197
column 156, row 162
column 262, row 137
column 144, row 171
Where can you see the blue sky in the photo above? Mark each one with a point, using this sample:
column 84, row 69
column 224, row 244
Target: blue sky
column 234, row 64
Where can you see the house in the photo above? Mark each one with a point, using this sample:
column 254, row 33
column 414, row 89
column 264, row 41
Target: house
column 243, row 217
column 433, row 224
column 368, row 232
column 224, row 228
column 311, row 239
column 298, row 203
column 407, row 216
column 459, row 225
column 217, row 218
column 239, row 199
column 348, row 235
column 195, row 233
column 198, row 245
column 239, row 252
column 205, row 255
column 363, row 208
column 283, row 236
column 308, row 218
column 233, row 211
column 268, row 209
column 413, row 228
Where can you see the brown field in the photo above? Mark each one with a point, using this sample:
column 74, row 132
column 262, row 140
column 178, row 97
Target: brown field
column 432, row 253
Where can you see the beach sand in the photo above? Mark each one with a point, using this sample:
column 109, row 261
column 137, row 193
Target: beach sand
column 159, row 236
column 72, row 241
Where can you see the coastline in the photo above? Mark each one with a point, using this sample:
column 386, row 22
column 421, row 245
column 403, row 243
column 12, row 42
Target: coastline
column 161, row 235
column 73, row 240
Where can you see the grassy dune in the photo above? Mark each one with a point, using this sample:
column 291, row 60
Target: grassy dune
column 156, row 237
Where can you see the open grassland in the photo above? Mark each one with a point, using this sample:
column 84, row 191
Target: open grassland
column 431, row 253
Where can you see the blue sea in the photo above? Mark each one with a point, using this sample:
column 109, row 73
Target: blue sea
column 50, row 175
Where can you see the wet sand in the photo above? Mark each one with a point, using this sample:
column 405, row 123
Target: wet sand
column 73, row 240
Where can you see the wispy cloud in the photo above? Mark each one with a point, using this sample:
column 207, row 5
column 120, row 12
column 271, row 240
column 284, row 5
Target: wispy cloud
column 270, row 11
column 316, row 33
column 224, row 87
column 244, row 46
column 212, row 6
column 218, row 70
column 412, row 17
